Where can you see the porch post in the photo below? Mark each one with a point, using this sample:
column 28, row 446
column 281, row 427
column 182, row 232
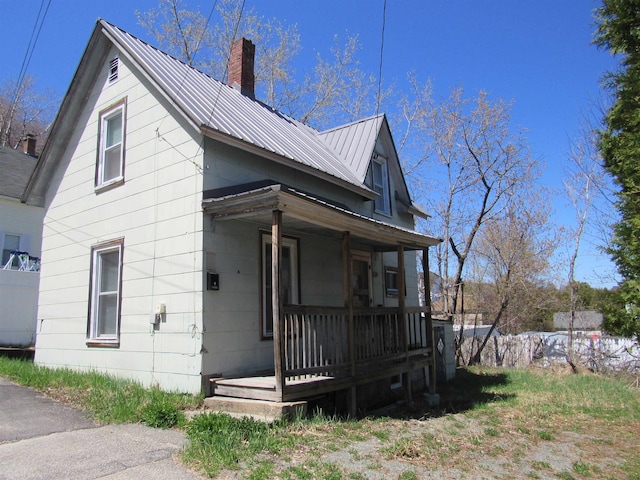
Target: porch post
column 429, row 325
column 406, row 376
column 276, row 257
column 348, row 302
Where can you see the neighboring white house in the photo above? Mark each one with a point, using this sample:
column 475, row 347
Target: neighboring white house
column 20, row 231
column 193, row 233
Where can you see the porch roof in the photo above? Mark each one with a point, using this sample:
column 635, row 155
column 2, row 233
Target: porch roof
column 308, row 213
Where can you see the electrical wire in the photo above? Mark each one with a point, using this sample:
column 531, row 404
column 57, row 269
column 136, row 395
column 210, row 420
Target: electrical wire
column 384, row 21
column 225, row 73
column 197, row 47
column 226, row 68
column 215, row 103
column 32, row 43
column 29, row 53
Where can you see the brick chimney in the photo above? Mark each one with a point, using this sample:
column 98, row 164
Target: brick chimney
column 241, row 60
column 29, row 145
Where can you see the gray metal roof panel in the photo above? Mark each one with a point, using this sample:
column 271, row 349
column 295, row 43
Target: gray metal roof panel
column 210, row 103
column 355, row 142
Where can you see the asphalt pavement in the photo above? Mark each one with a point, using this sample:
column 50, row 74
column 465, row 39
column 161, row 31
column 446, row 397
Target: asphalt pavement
column 43, row 439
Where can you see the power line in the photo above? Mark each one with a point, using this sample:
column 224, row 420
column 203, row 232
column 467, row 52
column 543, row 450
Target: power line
column 384, row 21
column 192, row 60
column 33, row 40
column 226, row 68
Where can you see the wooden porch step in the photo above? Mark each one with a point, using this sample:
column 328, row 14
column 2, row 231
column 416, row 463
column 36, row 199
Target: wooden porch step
column 258, row 409
column 255, row 388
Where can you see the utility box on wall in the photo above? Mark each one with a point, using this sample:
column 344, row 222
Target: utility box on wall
column 213, row 281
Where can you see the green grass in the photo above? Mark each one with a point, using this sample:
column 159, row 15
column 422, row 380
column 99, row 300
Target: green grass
column 543, row 393
column 482, row 406
column 408, row 475
column 544, row 435
column 107, row 399
column 218, row 441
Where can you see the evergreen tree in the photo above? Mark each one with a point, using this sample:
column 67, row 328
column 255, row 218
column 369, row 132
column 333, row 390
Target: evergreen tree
column 618, row 30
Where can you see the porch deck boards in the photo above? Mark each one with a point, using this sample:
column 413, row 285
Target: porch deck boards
column 267, row 382
column 263, row 387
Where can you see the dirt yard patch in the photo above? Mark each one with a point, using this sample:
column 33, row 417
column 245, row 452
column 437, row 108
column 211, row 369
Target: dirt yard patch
column 506, row 425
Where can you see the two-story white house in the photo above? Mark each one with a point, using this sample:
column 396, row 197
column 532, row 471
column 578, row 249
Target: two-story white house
column 196, row 238
column 20, row 242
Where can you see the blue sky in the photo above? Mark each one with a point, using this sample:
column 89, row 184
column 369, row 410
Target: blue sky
column 538, row 54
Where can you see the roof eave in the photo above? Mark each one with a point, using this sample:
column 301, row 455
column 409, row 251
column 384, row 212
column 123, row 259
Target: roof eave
column 161, row 89
column 60, row 135
column 214, row 134
column 301, row 207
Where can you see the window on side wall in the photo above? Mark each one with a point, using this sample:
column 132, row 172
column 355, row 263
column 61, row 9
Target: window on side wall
column 290, row 283
column 380, row 180
column 12, row 242
column 391, row 279
column 106, row 289
column 110, row 164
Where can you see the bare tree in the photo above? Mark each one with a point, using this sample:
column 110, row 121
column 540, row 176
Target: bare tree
column 336, row 90
column 584, row 182
column 25, row 110
column 205, row 42
column 469, row 165
column 512, row 259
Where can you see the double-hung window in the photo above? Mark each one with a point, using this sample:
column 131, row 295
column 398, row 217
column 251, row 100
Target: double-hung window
column 106, row 286
column 380, row 180
column 110, row 166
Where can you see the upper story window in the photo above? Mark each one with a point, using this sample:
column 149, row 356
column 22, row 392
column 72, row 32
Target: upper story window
column 110, row 165
column 113, row 69
column 380, row 180
column 106, row 287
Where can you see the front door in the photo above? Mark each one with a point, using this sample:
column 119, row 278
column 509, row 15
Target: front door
column 361, row 279
column 289, row 283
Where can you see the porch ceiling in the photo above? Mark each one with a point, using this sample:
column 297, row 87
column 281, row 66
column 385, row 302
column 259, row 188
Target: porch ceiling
column 305, row 213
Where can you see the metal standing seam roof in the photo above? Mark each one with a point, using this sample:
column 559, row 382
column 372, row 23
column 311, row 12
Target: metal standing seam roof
column 210, row 103
column 355, row 143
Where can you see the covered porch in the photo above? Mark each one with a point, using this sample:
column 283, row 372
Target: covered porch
column 321, row 349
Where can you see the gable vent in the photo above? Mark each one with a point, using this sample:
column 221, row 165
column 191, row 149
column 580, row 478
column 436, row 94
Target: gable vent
column 113, row 70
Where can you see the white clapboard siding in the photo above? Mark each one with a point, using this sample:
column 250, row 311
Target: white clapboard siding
column 157, row 211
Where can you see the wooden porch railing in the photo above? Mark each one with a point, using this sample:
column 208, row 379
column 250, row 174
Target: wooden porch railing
column 315, row 339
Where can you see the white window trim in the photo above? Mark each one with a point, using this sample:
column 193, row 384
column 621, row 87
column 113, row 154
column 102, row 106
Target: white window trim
column 119, row 108
column 381, row 186
column 93, row 337
column 293, row 244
